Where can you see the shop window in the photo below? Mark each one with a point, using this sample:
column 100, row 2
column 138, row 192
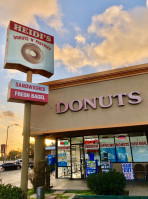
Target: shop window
column 123, row 150
column 77, row 140
column 64, row 152
column 139, row 148
column 107, row 149
column 91, row 147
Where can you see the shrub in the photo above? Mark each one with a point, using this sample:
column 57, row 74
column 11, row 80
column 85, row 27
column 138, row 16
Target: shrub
column 8, row 192
column 111, row 183
column 37, row 177
column 41, row 175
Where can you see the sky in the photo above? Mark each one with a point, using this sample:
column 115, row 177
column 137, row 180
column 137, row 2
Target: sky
column 89, row 36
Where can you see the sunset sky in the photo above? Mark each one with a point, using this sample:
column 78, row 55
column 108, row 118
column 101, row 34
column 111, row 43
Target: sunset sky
column 90, row 36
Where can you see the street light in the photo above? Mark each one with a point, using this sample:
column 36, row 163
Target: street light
column 7, row 138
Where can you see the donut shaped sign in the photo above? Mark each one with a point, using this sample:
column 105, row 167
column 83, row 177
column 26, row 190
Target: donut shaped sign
column 29, row 49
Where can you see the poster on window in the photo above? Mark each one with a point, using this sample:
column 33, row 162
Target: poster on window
column 110, row 152
column 127, row 169
column 91, row 167
column 121, row 154
column 139, row 149
column 62, row 160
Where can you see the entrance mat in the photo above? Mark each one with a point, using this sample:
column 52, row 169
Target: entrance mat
column 108, row 197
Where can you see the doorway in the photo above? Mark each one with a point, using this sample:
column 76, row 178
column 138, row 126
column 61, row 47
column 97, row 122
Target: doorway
column 77, row 161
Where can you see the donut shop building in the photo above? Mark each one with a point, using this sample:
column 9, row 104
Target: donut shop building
column 99, row 122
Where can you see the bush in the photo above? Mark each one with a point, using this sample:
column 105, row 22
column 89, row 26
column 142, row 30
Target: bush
column 37, row 177
column 8, row 192
column 111, row 183
column 41, row 175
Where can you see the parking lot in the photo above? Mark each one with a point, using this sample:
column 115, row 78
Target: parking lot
column 12, row 177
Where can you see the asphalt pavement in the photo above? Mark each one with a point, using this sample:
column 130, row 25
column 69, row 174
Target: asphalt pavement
column 12, row 177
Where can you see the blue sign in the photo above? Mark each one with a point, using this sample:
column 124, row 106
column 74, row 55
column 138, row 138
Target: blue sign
column 110, row 151
column 127, row 169
column 51, row 159
column 91, row 167
column 62, row 160
column 121, row 154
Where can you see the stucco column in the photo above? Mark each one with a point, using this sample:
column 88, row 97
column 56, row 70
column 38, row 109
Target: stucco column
column 39, row 150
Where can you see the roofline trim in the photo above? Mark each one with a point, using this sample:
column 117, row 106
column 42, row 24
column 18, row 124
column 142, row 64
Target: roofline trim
column 97, row 77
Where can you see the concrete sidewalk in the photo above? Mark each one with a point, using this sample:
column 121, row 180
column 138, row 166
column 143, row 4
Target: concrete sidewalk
column 62, row 185
column 135, row 188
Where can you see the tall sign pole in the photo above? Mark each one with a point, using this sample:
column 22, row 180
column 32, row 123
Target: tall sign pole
column 26, row 138
column 32, row 52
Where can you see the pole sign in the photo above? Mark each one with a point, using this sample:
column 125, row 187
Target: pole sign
column 3, row 147
column 21, row 91
column 29, row 49
column 127, row 169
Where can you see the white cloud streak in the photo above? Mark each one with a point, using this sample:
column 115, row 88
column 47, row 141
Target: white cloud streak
column 80, row 39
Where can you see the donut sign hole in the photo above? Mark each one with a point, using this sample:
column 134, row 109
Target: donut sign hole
column 32, row 53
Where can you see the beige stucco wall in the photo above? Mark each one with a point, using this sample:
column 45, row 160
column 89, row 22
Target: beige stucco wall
column 45, row 117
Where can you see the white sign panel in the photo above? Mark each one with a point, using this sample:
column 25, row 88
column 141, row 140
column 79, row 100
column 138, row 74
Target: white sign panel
column 127, row 169
column 27, row 48
column 21, row 91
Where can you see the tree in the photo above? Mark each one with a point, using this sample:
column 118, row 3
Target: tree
column 14, row 154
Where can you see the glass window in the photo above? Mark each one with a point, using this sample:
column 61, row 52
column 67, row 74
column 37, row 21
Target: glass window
column 123, row 150
column 139, row 148
column 76, row 140
column 64, row 172
column 91, row 147
column 64, row 152
column 107, row 148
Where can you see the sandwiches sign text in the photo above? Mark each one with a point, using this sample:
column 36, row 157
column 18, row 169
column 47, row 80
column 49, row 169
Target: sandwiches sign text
column 20, row 91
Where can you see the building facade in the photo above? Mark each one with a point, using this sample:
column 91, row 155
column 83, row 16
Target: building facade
column 99, row 121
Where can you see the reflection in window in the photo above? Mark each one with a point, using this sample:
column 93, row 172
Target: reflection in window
column 107, row 149
column 139, row 148
column 123, row 150
column 64, row 152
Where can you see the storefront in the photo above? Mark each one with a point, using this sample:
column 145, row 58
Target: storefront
column 99, row 121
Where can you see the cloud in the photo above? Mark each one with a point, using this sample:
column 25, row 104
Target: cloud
column 25, row 12
column 8, row 114
column 121, row 40
column 80, row 39
column 73, row 58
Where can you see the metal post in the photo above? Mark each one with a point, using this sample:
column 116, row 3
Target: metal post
column 6, row 146
column 26, row 137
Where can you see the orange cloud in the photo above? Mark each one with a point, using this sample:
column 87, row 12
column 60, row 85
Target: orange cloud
column 25, row 12
column 122, row 41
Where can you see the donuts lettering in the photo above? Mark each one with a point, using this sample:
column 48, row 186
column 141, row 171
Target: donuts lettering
column 32, row 53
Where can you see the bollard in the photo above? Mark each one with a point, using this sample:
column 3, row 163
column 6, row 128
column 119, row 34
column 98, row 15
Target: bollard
column 40, row 193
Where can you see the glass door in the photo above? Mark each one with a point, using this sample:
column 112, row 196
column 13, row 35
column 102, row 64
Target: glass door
column 77, row 157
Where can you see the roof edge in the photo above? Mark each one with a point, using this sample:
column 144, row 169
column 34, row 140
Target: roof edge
column 100, row 76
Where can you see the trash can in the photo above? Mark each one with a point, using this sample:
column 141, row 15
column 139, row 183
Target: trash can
column 40, row 193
